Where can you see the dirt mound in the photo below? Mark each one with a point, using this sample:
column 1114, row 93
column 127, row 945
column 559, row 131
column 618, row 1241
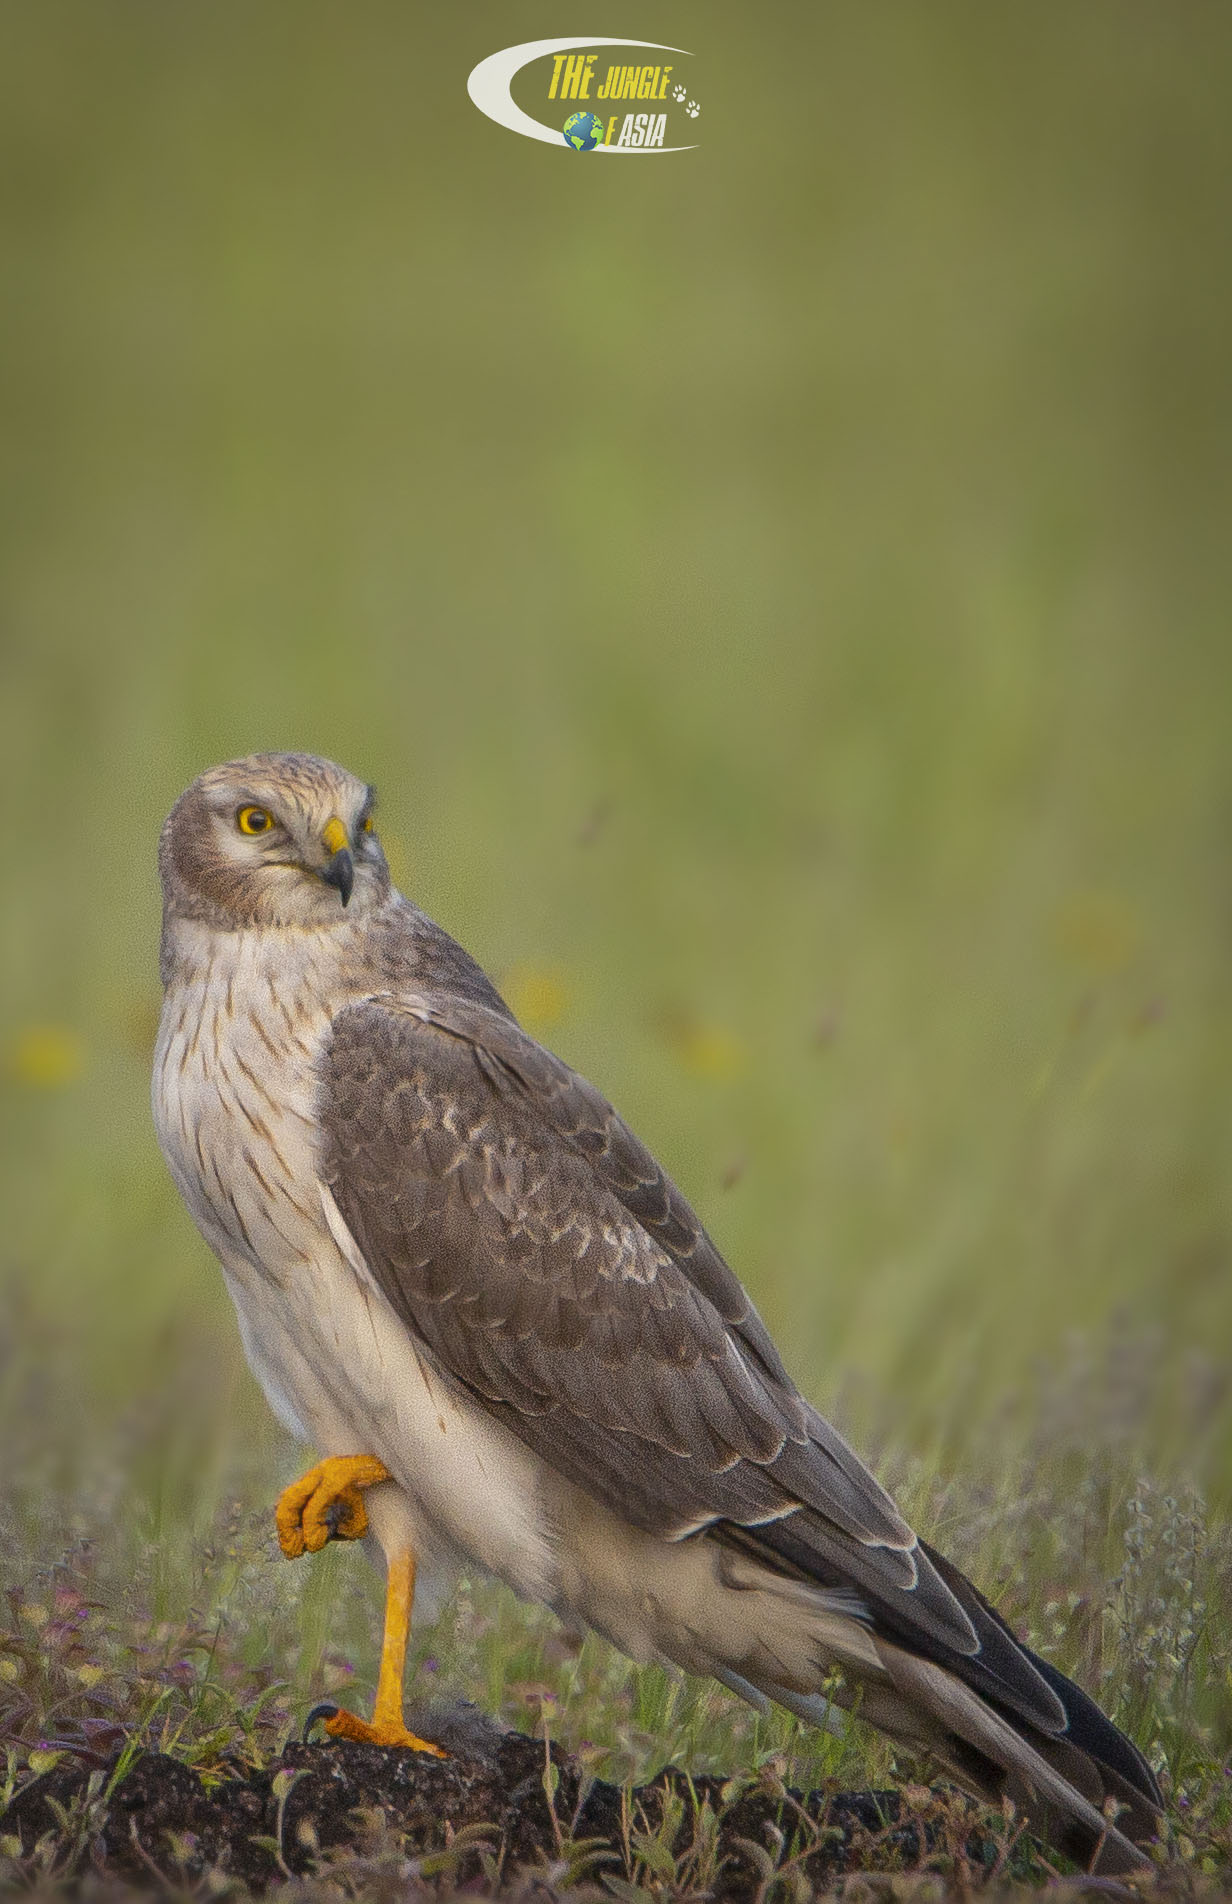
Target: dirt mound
column 500, row 1806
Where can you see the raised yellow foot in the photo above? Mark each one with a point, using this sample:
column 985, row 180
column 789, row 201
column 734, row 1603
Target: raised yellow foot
column 326, row 1503
column 387, row 1727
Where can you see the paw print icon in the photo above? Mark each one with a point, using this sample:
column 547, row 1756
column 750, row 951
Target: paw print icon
column 692, row 108
column 679, row 95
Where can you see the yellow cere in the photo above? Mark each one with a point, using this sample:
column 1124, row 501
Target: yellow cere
column 334, row 836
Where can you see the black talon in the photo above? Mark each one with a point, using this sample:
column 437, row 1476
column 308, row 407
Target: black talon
column 325, row 1711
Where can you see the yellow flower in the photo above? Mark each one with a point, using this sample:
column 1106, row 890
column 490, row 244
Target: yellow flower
column 47, row 1057
column 704, row 1049
column 538, row 996
column 710, row 1052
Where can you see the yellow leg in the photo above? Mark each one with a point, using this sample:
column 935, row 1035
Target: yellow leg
column 326, row 1503
column 387, row 1727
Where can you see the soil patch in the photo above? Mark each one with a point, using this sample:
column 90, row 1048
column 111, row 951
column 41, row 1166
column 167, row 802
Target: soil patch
column 497, row 1811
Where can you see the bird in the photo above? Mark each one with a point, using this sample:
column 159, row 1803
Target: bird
column 514, row 1348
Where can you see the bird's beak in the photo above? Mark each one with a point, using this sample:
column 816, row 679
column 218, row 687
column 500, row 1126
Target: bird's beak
column 339, row 869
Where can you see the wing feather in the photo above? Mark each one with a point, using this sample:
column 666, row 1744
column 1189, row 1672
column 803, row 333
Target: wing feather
column 550, row 1265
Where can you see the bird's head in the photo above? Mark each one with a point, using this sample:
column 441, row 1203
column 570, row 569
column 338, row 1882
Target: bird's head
column 274, row 839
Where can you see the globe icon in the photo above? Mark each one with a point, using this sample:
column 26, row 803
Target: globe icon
column 583, row 131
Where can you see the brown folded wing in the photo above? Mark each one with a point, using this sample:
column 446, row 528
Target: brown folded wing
column 536, row 1249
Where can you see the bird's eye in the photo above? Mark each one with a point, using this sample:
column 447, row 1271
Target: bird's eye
column 366, row 824
column 254, row 820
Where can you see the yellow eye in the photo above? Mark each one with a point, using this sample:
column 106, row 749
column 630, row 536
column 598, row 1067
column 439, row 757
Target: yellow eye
column 367, row 826
column 254, row 820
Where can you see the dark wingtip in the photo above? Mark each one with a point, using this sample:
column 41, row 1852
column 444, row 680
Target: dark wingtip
column 1093, row 1732
column 1008, row 1660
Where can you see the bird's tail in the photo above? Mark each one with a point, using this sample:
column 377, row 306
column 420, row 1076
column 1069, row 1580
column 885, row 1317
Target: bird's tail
column 1082, row 1785
column 1061, row 1787
column 1091, row 1757
column 1062, row 1784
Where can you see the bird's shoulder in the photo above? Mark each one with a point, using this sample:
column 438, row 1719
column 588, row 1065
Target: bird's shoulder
column 408, row 956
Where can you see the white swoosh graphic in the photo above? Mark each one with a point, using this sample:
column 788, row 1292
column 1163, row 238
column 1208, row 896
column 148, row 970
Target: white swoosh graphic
column 489, row 86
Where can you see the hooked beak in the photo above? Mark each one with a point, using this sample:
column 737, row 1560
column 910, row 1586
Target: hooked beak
column 339, row 869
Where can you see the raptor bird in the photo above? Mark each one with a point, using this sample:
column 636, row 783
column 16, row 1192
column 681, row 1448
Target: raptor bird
column 463, row 1280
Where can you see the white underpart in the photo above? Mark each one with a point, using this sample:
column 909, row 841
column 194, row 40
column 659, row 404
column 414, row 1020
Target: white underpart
column 234, row 1096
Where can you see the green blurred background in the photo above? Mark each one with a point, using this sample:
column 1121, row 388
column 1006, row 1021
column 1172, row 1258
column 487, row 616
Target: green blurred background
column 781, row 593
